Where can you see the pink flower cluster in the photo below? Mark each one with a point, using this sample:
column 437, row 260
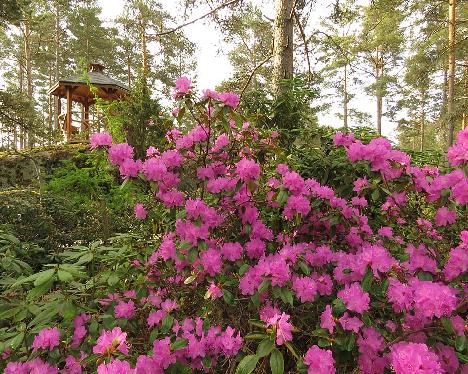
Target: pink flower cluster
column 48, row 338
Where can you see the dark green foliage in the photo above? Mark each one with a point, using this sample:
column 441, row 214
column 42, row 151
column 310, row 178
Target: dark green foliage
column 10, row 11
column 291, row 112
column 315, row 156
column 79, row 201
column 137, row 119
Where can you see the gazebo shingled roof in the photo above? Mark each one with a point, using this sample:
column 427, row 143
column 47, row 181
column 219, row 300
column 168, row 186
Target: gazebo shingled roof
column 76, row 88
column 108, row 88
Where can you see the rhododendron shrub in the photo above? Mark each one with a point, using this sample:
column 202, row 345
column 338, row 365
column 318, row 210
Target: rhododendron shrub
column 265, row 269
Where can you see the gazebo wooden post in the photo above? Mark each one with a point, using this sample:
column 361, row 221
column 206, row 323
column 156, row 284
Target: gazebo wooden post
column 58, row 112
column 85, row 124
column 69, row 113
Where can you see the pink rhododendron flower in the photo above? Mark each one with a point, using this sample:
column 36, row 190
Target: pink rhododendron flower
column 255, row 248
column 355, row 298
column 211, row 261
column 305, row 288
column 125, row 309
column 130, row 168
column 140, row 211
column 115, row 367
column 445, row 217
column 230, row 343
column 118, row 153
column 48, row 338
column 34, row 366
column 231, row 251
column 447, row 357
column 458, row 154
column 110, row 341
column 230, row 99
column 350, row 323
column 79, row 331
column 326, row 320
column 155, row 317
column 182, row 86
column 414, row 358
column 100, row 139
column 319, row 361
column 247, row 170
column 282, row 326
column 214, row 291
column 433, row 298
column 72, row 366
column 457, row 263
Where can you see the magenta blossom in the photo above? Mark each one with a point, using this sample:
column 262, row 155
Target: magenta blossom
column 414, row 358
column 282, row 326
column 110, row 341
column 48, row 338
column 229, row 99
column 355, row 298
column 319, row 361
column 140, row 211
column 100, row 139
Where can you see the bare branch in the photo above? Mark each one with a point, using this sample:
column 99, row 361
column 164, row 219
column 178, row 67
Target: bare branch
column 224, row 5
column 252, row 73
column 306, row 45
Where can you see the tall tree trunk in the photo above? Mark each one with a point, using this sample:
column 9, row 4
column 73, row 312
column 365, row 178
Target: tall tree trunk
column 423, row 121
column 345, row 97
column 378, row 91
column 28, row 63
column 57, row 61
column 283, row 43
column 464, row 124
column 451, row 71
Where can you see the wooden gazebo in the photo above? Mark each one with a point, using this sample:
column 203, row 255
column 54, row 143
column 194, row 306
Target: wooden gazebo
column 77, row 89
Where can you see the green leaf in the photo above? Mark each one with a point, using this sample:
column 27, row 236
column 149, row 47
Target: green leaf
column 167, row 323
column 375, row 195
column 113, row 279
column 447, row 325
column 460, row 343
column 16, row 341
column 192, row 255
column 44, row 276
column 276, row 362
column 367, row 280
column 282, row 197
column 243, row 269
column 247, row 365
column 324, row 343
column 264, row 286
column 64, row 276
column 87, row 257
column 350, row 342
column 179, row 344
column 10, row 312
column 338, row 306
column 255, row 336
column 40, row 290
column 228, row 297
column 286, row 296
column 305, row 269
column 265, row 347
column 68, row 309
